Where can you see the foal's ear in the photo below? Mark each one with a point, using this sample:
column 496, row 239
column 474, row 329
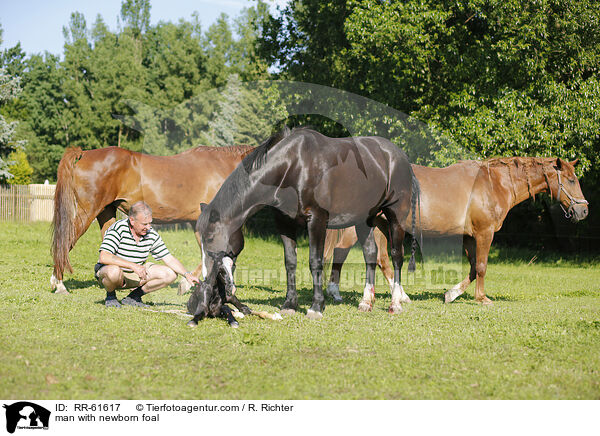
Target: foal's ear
column 574, row 162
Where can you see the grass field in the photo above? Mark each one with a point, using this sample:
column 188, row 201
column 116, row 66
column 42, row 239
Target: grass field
column 539, row 340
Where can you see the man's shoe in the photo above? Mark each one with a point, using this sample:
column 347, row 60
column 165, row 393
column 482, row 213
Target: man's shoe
column 112, row 302
column 128, row 301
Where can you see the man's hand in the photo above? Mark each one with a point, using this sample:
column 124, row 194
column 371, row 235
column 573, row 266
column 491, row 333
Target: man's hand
column 141, row 271
column 192, row 279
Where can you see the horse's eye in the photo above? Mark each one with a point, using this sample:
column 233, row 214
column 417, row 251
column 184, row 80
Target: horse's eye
column 572, row 181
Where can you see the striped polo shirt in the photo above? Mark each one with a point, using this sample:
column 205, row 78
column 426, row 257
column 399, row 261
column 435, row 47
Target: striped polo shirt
column 119, row 241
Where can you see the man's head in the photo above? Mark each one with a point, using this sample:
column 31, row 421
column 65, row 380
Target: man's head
column 140, row 218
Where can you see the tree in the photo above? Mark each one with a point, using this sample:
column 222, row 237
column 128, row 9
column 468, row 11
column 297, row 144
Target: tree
column 19, row 168
column 247, row 114
column 499, row 77
column 9, row 90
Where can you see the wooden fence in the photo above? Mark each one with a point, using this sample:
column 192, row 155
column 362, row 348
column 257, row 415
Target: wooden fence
column 25, row 203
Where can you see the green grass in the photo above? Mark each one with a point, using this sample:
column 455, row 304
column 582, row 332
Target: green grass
column 540, row 339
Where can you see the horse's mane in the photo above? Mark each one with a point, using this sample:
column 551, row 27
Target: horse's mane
column 237, row 182
column 233, row 150
column 516, row 160
column 258, row 157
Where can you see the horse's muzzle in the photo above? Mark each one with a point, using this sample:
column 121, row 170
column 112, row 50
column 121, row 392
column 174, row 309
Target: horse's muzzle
column 579, row 212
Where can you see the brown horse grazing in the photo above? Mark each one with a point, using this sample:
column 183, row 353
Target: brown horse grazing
column 472, row 199
column 94, row 184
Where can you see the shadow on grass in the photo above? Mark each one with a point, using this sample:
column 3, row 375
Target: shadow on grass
column 74, row 284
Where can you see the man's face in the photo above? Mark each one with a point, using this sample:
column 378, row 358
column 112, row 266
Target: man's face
column 141, row 223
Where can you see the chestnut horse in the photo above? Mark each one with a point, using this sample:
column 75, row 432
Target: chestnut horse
column 312, row 181
column 94, row 184
column 472, row 199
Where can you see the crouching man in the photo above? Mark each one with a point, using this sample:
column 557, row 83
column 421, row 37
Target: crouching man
column 123, row 259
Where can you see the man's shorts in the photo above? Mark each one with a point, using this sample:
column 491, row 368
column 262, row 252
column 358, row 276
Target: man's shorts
column 130, row 279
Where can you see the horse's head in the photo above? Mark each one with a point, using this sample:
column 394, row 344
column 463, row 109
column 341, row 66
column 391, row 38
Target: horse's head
column 219, row 237
column 568, row 191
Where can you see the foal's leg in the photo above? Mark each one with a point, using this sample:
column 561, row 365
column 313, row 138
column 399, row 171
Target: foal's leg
column 365, row 236
column 458, row 289
column 317, row 226
column 484, row 241
column 397, row 252
column 228, row 315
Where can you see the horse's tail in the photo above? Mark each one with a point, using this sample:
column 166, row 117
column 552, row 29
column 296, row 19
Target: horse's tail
column 415, row 202
column 65, row 208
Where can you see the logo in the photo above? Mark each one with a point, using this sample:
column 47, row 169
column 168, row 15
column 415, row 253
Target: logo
column 25, row 415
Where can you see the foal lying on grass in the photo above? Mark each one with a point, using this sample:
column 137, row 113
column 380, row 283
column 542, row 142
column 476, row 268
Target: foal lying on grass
column 209, row 298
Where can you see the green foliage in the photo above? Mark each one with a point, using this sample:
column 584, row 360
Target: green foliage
column 143, row 87
column 499, row 78
column 19, row 168
column 246, row 114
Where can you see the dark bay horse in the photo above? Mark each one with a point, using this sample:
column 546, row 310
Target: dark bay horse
column 93, row 184
column 472, row 199
column 317, row 182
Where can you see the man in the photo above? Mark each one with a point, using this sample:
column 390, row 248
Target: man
column 123, row 254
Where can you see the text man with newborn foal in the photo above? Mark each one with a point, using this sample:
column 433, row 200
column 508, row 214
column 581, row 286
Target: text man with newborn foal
column 123, row 254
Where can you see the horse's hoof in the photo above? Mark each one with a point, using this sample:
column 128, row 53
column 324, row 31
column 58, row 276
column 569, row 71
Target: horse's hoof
column 395, row 310
column 333, row 290
column 486, row 301
column 61, row 290
column 287, row 312
column 311, row 314
column 451, row 295
column 405, row 299
column 365, row 307
column 184, row 286
column 234, row 324
column 192, row 324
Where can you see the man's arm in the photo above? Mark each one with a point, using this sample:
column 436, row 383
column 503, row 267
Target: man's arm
column 174, row 263
column 110, row 259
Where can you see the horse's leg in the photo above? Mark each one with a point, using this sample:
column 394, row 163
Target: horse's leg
column 226, row 313
column 317, row 227
column 238, row 304
column 458, row 289
column 383, row 261
column 107, row 217
column 346, row 238
column 339, row 257
column 287, row 230
column 365, row 236
column 397, row 252
column 483, row 243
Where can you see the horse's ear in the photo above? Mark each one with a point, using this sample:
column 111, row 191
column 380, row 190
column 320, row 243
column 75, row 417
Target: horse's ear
column 558, row 163
column 203, row 207
column 574, row 162
column 214, row 216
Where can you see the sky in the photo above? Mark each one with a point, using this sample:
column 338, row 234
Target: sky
column 38, row 24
